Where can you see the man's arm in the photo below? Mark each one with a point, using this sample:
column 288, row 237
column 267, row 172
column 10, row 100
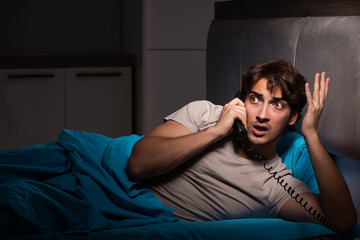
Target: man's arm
column 169, row 145
column 166, row 147
column 334, row 201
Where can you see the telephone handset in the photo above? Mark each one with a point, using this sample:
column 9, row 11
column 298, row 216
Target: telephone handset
column 239, row 130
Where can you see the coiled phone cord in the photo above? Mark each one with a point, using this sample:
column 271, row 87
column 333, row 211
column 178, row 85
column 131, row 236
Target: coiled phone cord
column 311, row 210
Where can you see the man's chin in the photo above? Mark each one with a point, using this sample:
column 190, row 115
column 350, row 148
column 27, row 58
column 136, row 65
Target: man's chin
column 259, row 140
column 255, row 141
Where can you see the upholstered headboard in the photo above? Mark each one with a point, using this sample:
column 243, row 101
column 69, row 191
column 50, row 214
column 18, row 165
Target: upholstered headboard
column 312, row 44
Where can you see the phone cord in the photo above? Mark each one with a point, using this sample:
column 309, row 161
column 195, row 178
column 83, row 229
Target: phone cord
column 311, row 210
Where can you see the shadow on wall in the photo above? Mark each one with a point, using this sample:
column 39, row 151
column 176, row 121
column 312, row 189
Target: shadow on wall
column 350, row 169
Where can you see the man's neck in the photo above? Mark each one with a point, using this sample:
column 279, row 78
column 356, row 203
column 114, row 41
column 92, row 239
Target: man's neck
column 249, row 151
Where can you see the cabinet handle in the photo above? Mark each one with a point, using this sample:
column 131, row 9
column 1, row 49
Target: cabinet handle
column 99, row 74
column 45, row 75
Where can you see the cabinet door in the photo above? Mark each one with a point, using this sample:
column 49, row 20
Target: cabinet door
column 99, row 100
column 32, row 106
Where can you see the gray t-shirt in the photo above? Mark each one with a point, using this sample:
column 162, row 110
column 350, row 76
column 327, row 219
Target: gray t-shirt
column 218, row 184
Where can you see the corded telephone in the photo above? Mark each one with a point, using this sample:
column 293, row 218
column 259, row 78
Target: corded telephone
column 239, row 130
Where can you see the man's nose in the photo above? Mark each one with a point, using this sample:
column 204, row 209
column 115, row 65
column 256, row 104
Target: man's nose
column 263, row 115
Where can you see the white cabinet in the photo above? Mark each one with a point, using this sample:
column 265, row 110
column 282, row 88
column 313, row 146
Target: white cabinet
column 36, row 104
column 99, row 100
column 32, row 106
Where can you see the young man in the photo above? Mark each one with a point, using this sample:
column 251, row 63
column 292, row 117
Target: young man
column 191, row 162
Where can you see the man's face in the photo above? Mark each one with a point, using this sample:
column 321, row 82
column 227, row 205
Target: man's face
column 268, row 114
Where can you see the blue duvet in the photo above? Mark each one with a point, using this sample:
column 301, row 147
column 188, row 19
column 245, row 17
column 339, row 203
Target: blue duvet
column 78, row 184
column 77, row 188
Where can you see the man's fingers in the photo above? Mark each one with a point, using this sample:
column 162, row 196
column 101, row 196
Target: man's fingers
column 316, row 88
column 236, row 101
column 308, row 94
column 327, row 86
column 324, row 86
column 237, row 107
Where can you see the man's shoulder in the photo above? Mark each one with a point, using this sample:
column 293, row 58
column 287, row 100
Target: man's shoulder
column 197, row 115
column 291, row 141
column 202, row 103
column 202, row 110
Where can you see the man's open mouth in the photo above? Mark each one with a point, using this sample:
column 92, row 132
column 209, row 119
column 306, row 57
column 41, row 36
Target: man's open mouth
column 260, row 129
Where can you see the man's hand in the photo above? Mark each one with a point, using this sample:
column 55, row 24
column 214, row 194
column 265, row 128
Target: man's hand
column 235, row 109
column 316, row 102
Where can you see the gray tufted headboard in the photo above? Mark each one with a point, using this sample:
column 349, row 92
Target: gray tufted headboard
column 312, row 44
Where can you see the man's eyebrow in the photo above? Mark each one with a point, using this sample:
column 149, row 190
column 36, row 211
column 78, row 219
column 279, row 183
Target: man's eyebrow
column 279, row 99
column 261, row 95
column 256, row 93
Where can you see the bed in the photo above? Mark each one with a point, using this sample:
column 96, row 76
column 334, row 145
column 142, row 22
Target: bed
column 77, row 188
column 81, row 179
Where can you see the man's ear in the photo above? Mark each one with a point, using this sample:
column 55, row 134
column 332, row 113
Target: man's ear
column 293, row 118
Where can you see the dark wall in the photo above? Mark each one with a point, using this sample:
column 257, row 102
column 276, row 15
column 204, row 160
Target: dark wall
column 60, row 27
column 285, row 8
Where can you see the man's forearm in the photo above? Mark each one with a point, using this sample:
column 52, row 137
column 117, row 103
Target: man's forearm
column 335, row 196
column 156, row 155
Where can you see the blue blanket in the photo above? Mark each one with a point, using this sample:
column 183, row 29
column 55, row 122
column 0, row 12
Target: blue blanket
column 78, row 184
column 77, row 188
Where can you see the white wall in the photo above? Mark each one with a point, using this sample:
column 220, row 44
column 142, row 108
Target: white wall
column 174, row 34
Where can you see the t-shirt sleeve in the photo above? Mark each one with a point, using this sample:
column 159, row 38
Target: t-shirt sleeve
column 305, row 171
column 284, row 195
column 293, row 152
column 197, row 116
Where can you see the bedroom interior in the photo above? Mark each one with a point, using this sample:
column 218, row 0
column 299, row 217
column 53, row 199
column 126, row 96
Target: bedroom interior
column 314, row 36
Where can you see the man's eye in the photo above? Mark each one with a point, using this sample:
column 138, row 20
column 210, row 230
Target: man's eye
column 254, row 99
column 279, row 105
